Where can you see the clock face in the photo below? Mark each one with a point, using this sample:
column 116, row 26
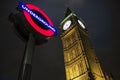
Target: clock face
column 67, row 24
column 81, row 24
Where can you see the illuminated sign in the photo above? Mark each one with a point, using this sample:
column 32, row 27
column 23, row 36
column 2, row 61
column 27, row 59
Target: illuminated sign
column 27, row 10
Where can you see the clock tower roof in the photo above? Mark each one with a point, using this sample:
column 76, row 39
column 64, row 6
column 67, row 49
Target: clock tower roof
column 67, row 12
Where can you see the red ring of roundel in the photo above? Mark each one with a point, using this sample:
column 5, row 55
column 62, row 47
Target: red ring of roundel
column 34, row 25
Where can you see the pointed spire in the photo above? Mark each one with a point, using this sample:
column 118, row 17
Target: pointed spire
column 67, row 12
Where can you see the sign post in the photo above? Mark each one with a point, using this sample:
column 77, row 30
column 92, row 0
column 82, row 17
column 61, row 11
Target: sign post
column 34, row 27
column 26, row 65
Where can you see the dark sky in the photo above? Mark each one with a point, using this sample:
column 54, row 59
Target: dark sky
column 102, row 18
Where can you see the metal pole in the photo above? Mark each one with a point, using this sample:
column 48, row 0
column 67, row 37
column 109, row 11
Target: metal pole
column 26, row 65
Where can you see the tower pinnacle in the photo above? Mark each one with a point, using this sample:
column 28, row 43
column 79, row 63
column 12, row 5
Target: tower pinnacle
column 67, row 12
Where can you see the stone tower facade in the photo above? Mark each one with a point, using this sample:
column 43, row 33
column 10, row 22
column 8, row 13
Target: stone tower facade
column 80, row 60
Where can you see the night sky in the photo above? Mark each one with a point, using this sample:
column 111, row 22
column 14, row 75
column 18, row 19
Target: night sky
column 102, row 18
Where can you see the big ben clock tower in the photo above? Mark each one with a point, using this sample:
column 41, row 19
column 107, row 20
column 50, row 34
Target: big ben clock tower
column 80, row 60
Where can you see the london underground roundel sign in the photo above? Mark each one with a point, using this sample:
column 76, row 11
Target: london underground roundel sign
column 29, row 13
